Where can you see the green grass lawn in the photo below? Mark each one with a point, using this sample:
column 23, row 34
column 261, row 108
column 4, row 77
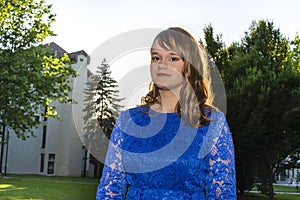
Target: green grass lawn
column 280, row 188
column 21, row 187
column 277, row 188
column 34, row 187
column 263, row 197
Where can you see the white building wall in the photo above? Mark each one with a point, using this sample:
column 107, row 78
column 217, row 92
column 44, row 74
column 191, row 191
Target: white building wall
column 292, row 175
column 23, row 156
column 63, row 141
column 62, row 136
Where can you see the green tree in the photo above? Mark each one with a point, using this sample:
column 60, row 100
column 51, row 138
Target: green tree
column 261, row 76
column 31, row 76
column 107, row 101
column 265, row 93
column 102, row 107
column 216, row 49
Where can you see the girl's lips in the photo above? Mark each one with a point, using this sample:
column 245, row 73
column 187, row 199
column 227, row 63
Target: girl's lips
column 162, row 74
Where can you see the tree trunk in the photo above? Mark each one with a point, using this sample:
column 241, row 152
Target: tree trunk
column 2, row 146
column 242, row 192
column 271, row 188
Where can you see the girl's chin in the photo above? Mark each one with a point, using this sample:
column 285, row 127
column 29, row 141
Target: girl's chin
column 162, row 86
column 166, row 87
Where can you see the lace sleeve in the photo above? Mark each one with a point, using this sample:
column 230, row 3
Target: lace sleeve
column 220, row 180
column 112, row 183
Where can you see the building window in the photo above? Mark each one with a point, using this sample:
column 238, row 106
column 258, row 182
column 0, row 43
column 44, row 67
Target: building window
column 81, row 59
column 51, row 161
column 44, row 137
column 42, row 162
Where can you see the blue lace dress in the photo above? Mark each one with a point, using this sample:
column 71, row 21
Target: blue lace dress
column 155, row 155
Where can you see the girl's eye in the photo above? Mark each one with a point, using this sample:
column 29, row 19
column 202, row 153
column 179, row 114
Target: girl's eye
column 174, row 59
column 155, row 58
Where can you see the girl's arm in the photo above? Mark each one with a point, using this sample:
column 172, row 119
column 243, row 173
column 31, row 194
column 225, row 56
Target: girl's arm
column 112, row 183
column 220, row 181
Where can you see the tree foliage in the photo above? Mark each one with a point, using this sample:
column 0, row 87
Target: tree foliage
column 216, row 49
column 24, row 24
column 31, row 76
column 106, row 99
column 262, row 80
column 102, row 107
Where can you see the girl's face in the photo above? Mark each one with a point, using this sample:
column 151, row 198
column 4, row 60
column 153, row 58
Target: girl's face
column 166, row 68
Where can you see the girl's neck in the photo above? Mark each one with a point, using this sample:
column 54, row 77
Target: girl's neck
column 168, row 100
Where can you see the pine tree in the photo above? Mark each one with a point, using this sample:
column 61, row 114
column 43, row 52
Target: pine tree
column 107, row 99
column 102, row 107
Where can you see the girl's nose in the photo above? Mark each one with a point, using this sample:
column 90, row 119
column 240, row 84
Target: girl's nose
column 163, row 64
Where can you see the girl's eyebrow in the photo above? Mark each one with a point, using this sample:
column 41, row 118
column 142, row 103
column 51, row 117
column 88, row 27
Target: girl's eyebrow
column 154, row 52
column 170, row 53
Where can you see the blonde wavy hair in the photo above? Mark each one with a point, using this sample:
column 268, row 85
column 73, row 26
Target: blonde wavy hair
column 196, row 97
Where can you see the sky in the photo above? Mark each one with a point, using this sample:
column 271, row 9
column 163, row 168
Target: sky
column 83, row 25
column 92, row 25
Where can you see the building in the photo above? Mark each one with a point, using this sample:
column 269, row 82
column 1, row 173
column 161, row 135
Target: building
column 57, row 148
column 291, row 169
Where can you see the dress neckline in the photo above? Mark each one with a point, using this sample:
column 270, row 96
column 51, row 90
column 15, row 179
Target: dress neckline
column 151, row 111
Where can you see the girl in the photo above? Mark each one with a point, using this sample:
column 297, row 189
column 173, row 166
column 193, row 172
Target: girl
column 176, row 145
